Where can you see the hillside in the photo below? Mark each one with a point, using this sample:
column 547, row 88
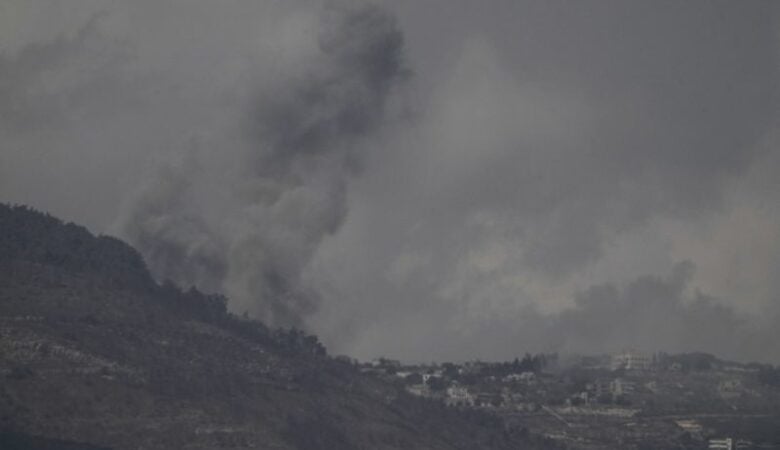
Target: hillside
column 95, row 354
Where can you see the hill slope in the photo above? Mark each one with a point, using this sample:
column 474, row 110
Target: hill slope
column 95, row 354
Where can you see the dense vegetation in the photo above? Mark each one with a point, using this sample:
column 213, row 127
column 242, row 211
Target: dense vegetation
column 32, row 237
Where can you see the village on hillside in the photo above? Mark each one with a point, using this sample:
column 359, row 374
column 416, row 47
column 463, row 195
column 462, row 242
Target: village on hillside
column 628, row 400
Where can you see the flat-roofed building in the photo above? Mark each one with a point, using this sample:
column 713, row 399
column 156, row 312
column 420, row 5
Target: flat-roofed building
column 631, row 360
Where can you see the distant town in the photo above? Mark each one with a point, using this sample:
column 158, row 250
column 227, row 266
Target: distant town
column 628, row 400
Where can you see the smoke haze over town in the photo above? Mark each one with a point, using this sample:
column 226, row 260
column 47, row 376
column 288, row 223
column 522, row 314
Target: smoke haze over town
column 424, row 180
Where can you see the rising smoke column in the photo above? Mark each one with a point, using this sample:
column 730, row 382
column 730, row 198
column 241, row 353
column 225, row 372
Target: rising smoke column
column 301, row 139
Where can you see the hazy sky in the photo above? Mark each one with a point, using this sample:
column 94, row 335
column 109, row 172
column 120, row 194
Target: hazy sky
column 428, row 180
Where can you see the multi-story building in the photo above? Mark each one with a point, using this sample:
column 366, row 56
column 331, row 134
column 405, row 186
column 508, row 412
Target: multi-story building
column 631, row 360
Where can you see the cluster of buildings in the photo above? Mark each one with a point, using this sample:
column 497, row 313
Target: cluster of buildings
column 589, row 399
column 695, row 429
column 454, row 393
column 480, row 384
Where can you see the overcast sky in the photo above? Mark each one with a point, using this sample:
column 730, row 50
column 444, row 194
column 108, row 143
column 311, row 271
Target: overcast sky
column 427, row 180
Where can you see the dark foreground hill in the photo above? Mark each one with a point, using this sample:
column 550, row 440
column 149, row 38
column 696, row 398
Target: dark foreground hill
column 94, row 354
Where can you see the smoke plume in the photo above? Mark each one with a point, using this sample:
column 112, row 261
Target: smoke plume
column 302, row 138
column 548, row 180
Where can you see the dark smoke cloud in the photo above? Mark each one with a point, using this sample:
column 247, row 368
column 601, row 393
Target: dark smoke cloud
column 532, row 188
column 304, row 136
column 340, row 98
column 653, row 313
column 176, row 243
column 649, row 313
column 564, row 146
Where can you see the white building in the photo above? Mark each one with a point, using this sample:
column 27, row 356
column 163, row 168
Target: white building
column 690, row 425
column 619, row 386
column 420, row 390
column 631, row 360
column 459, row 395
column 428, row 376
column 721, row 444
